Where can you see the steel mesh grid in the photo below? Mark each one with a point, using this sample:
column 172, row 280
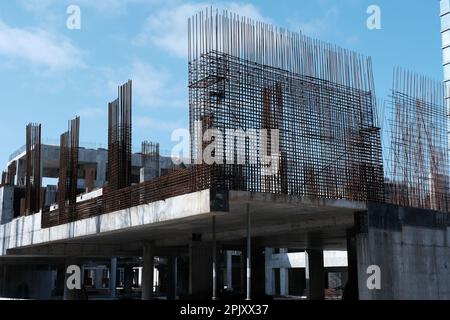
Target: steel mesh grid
column 329, row 146
column 417, row 159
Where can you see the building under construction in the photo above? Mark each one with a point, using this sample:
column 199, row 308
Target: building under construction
column 311, row 227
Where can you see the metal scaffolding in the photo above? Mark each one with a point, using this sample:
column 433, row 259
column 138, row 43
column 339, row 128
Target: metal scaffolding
column 417, row 170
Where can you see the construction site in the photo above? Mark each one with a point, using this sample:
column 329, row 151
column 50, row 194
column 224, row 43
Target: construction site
column 338, row 203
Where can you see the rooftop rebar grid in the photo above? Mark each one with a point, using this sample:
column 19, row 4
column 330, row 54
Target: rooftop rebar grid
column 150, row 157
column 417, row 169
column 246, row 75
column 33, row 169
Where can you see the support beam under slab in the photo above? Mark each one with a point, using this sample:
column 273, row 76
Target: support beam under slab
column 269, row 274
column 128, row 280
column 284, row 278
column 200, row 270
column 113, row 278
column 249, row 255
column 172, row 278
column 315, row 274
column 229, row 257
column 351, row 288
column 147, row 272
column 214, row 260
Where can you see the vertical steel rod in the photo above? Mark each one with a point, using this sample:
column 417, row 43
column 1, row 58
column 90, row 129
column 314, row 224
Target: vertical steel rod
column 214, row 257
column 249, row 253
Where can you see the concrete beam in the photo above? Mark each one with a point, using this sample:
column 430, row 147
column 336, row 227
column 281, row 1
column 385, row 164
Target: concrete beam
column 75, row 250
column 147, row 271
column 200, row 270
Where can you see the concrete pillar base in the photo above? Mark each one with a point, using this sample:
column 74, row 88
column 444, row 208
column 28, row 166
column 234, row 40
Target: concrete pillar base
column 147, row 272
column 200, row 270
column 315, row 274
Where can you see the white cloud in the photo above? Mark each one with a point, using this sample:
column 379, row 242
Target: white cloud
column 152, row 87
column 144, row 122
column 102, row 6
column 320, row 25
column 167, row 29
column 37, row 6
column 91, row 112
column 38, row 48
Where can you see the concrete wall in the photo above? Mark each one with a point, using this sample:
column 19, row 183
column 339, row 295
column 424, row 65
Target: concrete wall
column 412, row 249
column 298, row 260
column 6, row 204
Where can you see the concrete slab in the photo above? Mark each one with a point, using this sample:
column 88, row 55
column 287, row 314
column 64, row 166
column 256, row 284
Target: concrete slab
column 278, row 221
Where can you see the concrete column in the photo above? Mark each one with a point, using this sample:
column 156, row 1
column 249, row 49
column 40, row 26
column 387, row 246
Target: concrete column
column 351, row 287
column 242, row 269
column 16, row 177
column 270, row 281
column 200, row 270
column 98, row 278
column 101, row 172
column 113, row 277
column 20, row 176
column 315, row 274
column 128, row 280
column 172, row 279
column 2, row 280
column 214, row 260
column 284, row 278
column 258, row 269
column 147, row 272
column 60, row 276
column 229, row 270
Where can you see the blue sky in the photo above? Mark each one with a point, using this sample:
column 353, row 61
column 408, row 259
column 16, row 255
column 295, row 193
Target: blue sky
column 49, row 74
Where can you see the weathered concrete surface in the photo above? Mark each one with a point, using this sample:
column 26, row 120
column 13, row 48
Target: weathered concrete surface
column 412, row 248
column 171, row 222
column 27, row 231
column 298, row 260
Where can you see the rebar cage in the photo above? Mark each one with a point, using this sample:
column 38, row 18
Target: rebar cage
column 246, row 75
